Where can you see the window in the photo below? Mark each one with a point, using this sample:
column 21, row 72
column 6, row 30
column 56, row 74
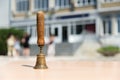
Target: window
column 61, row 4
column 107, row 26
column 41, row 5
column 109, row 1
column 104, row 27
column 22, row 5
column 80, row 3
column 119, row 24
column 79, row 29
column 86, row 2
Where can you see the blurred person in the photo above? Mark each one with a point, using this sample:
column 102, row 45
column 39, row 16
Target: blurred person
column 17, row 46
column 51, row 46
column 25, row 44
column 10, row 45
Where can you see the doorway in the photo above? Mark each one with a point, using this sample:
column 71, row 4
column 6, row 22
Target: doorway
column 64, row 34
column 90, row 28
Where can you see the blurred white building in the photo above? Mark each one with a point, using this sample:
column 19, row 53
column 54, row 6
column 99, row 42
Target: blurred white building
column 4, row 13
column 67, row 19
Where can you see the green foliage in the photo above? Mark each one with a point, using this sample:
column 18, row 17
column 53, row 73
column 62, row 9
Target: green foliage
column 3, row 38
column 109, row 50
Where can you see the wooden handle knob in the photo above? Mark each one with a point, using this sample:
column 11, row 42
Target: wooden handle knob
column 40, row 28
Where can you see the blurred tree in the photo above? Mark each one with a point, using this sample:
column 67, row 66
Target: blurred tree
column 3, row 38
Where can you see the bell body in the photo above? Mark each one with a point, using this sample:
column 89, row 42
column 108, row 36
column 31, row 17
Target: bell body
column 41, row 63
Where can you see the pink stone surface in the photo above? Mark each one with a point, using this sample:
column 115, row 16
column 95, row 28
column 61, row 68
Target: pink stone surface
column 61, row 70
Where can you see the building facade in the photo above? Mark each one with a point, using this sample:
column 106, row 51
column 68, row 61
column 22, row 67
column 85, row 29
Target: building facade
column 4, row 13
column 68, row 20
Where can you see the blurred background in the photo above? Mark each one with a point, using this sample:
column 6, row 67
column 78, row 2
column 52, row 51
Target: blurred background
column 81, row 28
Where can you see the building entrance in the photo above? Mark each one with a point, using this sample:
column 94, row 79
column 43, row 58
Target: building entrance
column 64, row 34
